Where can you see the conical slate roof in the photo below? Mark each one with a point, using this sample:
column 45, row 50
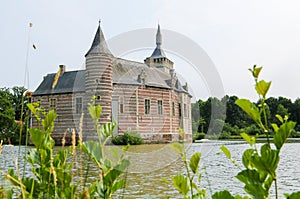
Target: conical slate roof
column 99, row 44
column 158, row 51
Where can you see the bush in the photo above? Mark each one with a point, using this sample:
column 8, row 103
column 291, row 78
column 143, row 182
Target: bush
column 295, row 134
column 252, row 130
column 233, row 130
column 198, row 136
column 131, row 138
column 224, row 135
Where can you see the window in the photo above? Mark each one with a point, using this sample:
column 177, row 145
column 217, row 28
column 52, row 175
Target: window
column 179, row 109
column 159, row 107
column 52, row 103
column 185, row 110
column 147, row 106
column 121, row 105
column 78, row 104
column 173, row 108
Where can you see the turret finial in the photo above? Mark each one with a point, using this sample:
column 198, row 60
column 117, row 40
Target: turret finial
column 158, row 37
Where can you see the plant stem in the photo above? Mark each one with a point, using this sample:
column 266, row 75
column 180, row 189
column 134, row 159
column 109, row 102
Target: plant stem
column 276, row 188
column 266, row 120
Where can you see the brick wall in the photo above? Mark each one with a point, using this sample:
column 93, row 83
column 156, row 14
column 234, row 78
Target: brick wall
column 153, row 127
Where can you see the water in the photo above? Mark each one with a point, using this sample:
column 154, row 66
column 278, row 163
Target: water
column 151, row 163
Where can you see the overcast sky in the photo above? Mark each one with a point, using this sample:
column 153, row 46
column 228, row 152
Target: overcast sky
column 234, row 34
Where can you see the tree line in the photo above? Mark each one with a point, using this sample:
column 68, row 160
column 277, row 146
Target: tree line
column 222, row 118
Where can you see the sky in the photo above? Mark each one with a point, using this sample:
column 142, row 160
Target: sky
column 230, row 36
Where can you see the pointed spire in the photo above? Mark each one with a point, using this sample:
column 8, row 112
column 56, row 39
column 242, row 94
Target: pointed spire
column 99, row 44
column 158, row 37
column 158, row 52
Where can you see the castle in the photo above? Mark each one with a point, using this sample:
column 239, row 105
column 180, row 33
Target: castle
column 146, row 98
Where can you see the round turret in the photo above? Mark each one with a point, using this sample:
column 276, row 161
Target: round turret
column 98, row 81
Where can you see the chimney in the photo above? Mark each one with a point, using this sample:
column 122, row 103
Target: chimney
column 142, row 77
column 173, row 76
column 62, row 69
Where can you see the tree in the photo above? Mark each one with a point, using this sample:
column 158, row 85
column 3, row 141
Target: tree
column 295, row 113
column 19, row 100
column 7, row 115
column 234, row 114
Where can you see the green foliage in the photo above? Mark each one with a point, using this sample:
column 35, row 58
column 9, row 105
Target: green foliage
column 52, row 174
column 224, row 135
column 250, row 139
column 295, row 195
column 198, row 136
column 226, row 151
column 232, row 130
column 252, row 129
column 295, row 134
column 110, row 169
column 7, row 115
column 13, row 114
column 227, row 195
column 131, row 138
column 260, row 166
column 185, row 183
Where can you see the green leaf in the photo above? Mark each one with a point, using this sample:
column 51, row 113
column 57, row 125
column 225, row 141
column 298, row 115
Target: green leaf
column 283, row 133
column 93, row 149
column 95, row 112
column 194, row 162
column 226, row 151
column 270, row 159
column 48, row 121
column 255, row 71
column 295, row 195
column 247, row 158
column 37, row 137
column 222, row 195
column 262, row 87
column 279, row 118
column 253, row 183
column 32, row 109
column 250, row 109
column 115, row 153
column 106, row 130
column 250, row 139
column 118, row 185
column 33, row 157
column 181, row 184
column 275, row 127
column 177, row 147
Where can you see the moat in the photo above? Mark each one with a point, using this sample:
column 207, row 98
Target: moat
column 151, row 163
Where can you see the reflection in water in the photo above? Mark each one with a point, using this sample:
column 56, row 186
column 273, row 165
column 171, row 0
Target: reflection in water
column 151, row 163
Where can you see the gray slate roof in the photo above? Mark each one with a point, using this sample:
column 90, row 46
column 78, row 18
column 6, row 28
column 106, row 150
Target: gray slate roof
column 158, row 51
column 99, row 44
column 69, row 82
column 127, row 72
column 124, row 72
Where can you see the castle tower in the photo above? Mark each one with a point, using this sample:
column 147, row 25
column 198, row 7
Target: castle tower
column 98, row 82
column 158, row 58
